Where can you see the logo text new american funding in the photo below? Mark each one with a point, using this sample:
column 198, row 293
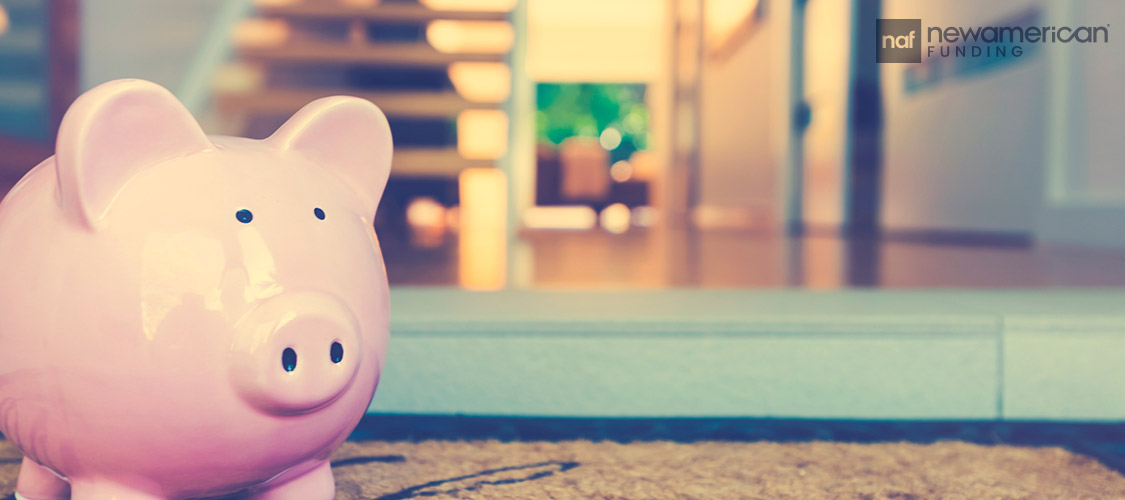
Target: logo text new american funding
column 901, row 40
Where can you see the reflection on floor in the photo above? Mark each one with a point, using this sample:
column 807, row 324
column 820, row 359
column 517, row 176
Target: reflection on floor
column 654, row 258
column 659, row 257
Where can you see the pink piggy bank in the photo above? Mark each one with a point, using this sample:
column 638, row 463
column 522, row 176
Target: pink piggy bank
column 184, row 316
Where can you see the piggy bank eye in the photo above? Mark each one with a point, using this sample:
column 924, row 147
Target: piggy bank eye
column 336, row 352
column 318, row 213
column 244, row 216
column 289, row 359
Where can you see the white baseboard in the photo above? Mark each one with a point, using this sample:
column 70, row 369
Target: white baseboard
column 783, row 353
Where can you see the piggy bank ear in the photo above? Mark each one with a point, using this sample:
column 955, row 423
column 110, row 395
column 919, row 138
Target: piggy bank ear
column 111, row 133
column 347, row 135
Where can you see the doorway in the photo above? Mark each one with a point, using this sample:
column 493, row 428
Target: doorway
column 837, row 120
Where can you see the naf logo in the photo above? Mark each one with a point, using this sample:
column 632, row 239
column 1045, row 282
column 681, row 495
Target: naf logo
column 898, row 40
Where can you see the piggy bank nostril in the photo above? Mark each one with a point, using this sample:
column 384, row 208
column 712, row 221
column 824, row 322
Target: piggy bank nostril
column 244, row 216
column 337, row 352
column 289, row 359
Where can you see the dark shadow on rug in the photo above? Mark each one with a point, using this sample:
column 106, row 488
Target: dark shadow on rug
column 434, row 488
column 1102, row 441
column 386, row 459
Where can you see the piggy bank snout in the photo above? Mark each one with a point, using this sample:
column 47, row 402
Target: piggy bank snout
column 295, row 353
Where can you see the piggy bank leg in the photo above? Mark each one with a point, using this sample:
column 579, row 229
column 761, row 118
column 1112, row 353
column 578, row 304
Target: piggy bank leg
column 37, row 483
column 317, row 484
column 101, row 489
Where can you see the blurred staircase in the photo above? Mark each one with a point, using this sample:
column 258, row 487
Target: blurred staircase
column 289, row 53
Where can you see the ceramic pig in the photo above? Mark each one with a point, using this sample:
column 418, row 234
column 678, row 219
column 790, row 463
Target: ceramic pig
column 184, row 316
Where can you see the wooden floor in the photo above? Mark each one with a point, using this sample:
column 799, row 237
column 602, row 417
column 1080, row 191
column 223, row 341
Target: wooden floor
column 654, row 258
column 673, row 258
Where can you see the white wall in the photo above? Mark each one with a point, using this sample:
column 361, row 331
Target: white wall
column 155, row 40
column 1097, row 108
column 745, row 105
column 596, row 40
column 967, row 154
column 738, row 168
column 1085, row 203
column 1033, row 148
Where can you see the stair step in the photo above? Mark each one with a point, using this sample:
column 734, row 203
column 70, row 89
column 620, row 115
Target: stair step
column 406, row 104
column 394, row 54
column 440, row 162
column 388, row 12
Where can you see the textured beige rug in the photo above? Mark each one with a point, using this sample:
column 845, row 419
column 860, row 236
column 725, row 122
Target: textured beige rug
column 661, row 470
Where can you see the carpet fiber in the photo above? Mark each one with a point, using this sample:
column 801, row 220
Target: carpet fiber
column 710, row 470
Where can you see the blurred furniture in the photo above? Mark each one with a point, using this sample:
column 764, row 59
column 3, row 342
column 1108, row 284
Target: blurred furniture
column 577, row 174
column 585, row 169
